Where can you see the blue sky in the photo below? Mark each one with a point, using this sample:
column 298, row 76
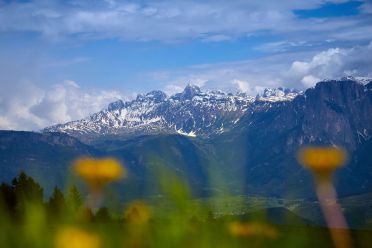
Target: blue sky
column 61, row 60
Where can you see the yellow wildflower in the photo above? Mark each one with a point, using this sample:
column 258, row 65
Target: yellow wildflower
column 98, row 172
column 322, row 159
column 240, row 229
column 137, row 213
column 73, row 237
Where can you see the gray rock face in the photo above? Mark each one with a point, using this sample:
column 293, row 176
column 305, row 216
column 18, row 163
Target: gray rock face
column 115, row 105
column 334, row 112
column 337, row 112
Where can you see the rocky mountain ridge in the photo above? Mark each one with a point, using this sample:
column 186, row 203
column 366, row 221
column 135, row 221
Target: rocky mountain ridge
column 192, row 112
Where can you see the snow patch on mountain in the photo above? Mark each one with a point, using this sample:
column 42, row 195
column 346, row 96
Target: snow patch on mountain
column 361, row 80
column 190, row 134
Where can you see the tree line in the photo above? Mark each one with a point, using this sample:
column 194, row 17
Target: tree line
column 23, row 191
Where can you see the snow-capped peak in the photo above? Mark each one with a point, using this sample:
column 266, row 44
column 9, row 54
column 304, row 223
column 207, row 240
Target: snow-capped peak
column 278, row 94
column 157, row 95
column 189, row 92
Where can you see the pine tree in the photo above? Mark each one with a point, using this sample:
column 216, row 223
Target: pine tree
column 8, row 199
column 102, row 215
column 27, row 191
column 74, row 199
column 57, row 203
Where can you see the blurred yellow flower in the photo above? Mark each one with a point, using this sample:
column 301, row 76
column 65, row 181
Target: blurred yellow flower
column 98, row 172
column 322, row 159
column 73, row 237
column 247, row 229
column 137, row 213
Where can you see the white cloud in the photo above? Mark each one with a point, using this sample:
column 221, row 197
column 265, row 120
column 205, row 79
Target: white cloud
column 242, row 85
column 29, row 107
column 324, row 63
column 287, row 45
column 309, row 80
column 246, row 87
column 172, row 89
column 175, row 20
column 333, row 63
column 293, row 70
column 6, row 124
column 179, row 86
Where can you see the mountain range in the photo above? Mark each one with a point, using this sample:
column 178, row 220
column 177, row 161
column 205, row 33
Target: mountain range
column 217, row 142
column 191, row 112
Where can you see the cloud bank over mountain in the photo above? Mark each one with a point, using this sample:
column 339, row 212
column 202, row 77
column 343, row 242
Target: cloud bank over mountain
column 25, row 106
column 286, row 69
